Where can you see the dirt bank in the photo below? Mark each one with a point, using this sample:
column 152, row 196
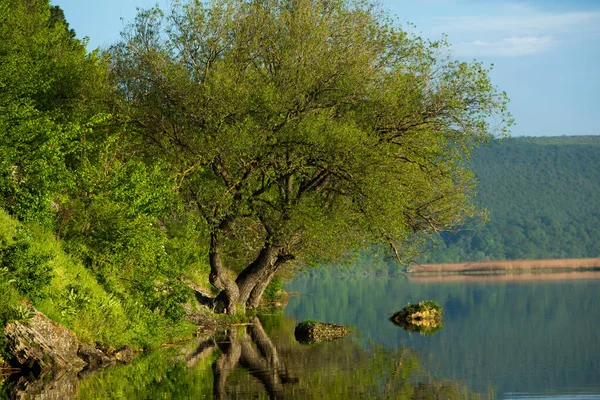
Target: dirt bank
column 561, row 276
column 506, row 266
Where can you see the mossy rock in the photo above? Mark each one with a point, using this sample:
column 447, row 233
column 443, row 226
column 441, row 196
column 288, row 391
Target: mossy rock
column 425, row 317
column 316, row 332
column 42, row 342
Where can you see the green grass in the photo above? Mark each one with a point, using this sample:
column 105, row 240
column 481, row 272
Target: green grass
column 429, row 304
column 73, row 296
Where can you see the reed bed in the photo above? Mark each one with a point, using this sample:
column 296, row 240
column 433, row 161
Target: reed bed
column 507, row 266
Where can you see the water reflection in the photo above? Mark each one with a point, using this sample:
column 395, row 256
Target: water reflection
column 254, row 351
column 246, row 362
column 521, row 333
column 263, row 360
column 341, row 369
column 54, row 385
column 528, row 337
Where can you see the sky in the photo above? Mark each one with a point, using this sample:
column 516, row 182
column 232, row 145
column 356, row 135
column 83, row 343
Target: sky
column 545, row 53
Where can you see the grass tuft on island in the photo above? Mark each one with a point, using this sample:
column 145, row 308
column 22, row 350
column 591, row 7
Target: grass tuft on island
column 424, row 317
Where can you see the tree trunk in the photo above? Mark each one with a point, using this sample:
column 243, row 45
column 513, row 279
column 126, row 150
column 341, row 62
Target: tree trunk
column 257, row 272
column 255, row 297
column 247, row 290
column 219, row 278
column 226, row 302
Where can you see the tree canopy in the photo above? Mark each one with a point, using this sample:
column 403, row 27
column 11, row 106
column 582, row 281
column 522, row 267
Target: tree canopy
column 302, row 129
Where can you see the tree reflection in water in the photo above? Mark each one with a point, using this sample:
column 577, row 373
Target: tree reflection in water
column 254, row 351
column 246, row 362
column 336, row 370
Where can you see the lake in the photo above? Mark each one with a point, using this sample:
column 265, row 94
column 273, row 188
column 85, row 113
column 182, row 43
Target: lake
column 525, row 336
column 503, row 337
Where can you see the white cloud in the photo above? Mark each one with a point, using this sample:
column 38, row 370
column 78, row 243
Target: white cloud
column 506, row 47
column 512, row 30
column 527, row 22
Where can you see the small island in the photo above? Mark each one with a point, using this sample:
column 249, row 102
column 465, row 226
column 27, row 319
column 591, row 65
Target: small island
column 424, row 317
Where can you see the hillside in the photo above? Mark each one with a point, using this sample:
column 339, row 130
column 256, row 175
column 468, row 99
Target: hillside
column 543, row 199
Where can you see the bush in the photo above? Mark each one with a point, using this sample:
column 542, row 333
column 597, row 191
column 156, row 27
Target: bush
column 128, row 255
column 26, row 268
column 274, row 290
column 9, row 298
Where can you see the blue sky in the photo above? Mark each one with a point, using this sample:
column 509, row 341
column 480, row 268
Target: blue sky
column 546, row 53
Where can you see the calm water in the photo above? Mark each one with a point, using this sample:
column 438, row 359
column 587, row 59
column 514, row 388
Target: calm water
column 503, row 338
column 527, row 336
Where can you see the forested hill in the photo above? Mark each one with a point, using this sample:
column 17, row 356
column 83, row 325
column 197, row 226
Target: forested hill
column 543, row 199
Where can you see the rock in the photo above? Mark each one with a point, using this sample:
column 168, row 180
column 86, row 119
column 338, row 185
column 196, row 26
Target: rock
column 94, row 358
column 425, row 317
column 316, row 332
column 108, row 350
column 42, row 343
column 124, row 355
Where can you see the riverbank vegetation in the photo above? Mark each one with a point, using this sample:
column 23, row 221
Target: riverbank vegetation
column 260, row 137
column 78, row 215
column 35, row 267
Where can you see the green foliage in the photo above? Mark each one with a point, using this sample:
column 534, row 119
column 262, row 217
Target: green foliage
column 27, row 269
column 128, row 255
column 273, row 292
column 429, row 305
column 306, row 129
column 46, row 80
column 9, row 299
column 75, row 298
column 22, row 313
column 67, row 169
column 24, row 265
column 541, row 197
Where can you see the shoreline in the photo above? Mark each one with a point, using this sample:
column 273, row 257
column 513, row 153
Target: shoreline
column 506, row 266
column 509, row 276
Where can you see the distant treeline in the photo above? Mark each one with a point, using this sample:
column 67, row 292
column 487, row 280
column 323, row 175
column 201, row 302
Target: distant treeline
column 543, row 200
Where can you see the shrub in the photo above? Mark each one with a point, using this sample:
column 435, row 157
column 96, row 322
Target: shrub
column 27, row 269
column 273, row 291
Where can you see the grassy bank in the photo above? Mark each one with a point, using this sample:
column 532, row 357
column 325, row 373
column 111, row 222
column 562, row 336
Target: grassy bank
column 35, row 270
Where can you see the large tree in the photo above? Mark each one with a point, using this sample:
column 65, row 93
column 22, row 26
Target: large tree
column 302, row 129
